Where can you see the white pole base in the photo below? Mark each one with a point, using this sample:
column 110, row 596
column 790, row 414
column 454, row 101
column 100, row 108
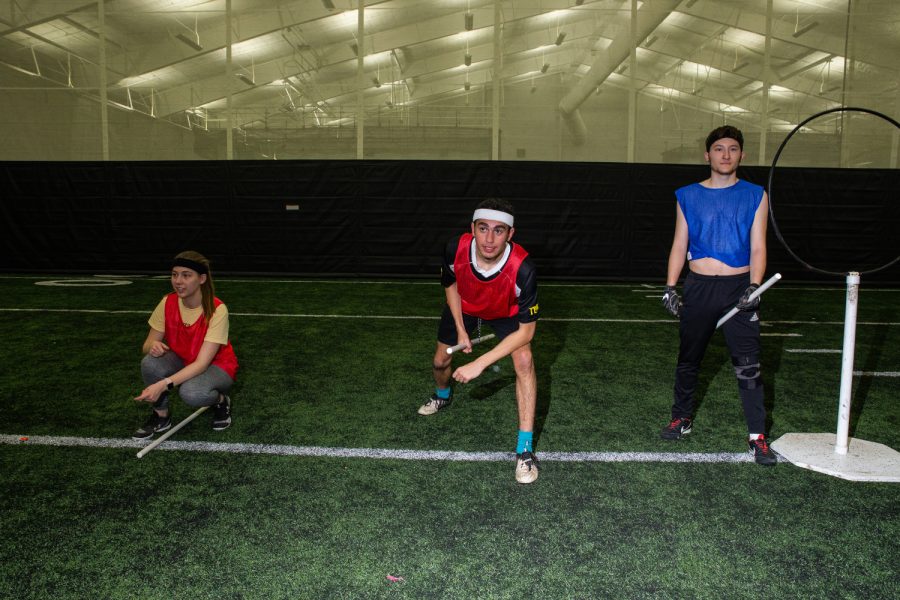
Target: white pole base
column 864, row 461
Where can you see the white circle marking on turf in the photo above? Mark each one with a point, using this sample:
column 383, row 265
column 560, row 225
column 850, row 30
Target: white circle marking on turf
column 83, row 282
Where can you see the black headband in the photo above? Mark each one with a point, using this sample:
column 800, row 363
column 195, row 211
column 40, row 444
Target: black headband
column 191, row 264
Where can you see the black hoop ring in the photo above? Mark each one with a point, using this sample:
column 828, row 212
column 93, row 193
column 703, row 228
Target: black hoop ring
column 771, row 187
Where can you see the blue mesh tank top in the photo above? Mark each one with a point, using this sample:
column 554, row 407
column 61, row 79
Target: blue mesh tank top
column 719, row 220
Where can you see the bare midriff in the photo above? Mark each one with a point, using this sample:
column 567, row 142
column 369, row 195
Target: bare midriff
column 711, row 266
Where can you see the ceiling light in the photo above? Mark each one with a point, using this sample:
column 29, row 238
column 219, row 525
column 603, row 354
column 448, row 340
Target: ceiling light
column 376, row 81
column 467, row 85
column 467, row 59
column 579, row 2
column 355, row 48
column 560, row 38
column 328, row 4
column 469, row 21
column 245, row 78
column 544, row 67
column 195, row 44
column 805, row 28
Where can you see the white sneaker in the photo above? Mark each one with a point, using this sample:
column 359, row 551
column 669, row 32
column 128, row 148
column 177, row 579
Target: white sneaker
column 526, row 467
column 433, row 405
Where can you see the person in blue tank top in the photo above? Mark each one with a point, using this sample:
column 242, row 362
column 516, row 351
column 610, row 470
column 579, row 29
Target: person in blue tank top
column 720, row 231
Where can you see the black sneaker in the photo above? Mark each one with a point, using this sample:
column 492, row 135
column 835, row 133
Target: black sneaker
column 433, row 405
column 677, row 429
column 222, row 416
column 761, row 453
column 154, row 424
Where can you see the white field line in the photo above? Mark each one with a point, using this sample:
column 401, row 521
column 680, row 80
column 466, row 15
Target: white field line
column 876, row 373
column 812, row 351
column 380, row 453
column 351, row 281
column 338, row 281
column 670, row 321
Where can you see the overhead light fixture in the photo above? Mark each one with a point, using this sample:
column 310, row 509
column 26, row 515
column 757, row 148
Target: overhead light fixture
column 328, row 4
column 399, row 56
column 376, row 81
column 579, row 2
column 469, row 21
column 622, row 69
column 246, row 79
column 467, row 85
column 650, row 41
column 741, row 66
column 355, row 48
column 544, row 67
column 467, row 59
column 560, row 38
column 389, row 103
column 798, row 32
column 195, row 44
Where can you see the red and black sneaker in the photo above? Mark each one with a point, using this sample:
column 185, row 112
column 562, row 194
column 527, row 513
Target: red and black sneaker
column 761, row 453
column 678, row 428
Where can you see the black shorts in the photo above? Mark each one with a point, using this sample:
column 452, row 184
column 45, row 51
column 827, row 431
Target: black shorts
column 447, row 328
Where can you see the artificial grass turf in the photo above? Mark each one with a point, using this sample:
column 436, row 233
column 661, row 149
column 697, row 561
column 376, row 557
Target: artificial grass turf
column 321, row 527
column 85, row 522
column 356, row 381
column 315, row 382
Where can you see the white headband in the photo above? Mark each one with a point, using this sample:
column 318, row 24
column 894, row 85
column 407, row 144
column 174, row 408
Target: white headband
column 493, row 215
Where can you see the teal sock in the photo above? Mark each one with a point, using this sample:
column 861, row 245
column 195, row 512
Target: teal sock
column 524, row 444
column 442, row 393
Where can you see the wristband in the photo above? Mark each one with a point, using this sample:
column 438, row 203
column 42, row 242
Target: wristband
column 170, row 385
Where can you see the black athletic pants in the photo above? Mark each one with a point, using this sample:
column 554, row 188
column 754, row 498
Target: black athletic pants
column 706, row 299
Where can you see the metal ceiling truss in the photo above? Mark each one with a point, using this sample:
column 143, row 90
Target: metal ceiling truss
column 167, row 59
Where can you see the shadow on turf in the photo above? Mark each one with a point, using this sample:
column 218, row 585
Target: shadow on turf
column 546, row 347
column 872, row 361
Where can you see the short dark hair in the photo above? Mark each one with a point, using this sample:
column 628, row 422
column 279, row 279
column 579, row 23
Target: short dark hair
column 497, row 204
column 725, row 131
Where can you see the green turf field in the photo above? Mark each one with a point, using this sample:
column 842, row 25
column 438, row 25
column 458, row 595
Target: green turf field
column 344, row 364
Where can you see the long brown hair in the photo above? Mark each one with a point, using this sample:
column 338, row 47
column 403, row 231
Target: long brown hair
column 207, row 289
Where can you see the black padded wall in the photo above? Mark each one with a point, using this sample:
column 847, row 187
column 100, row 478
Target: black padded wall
column 587, row 221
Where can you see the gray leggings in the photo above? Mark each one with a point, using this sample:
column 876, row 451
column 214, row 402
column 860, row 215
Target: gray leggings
column 202, row 390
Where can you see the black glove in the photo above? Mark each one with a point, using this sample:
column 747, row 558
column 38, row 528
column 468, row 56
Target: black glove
column 671, row 302
column 745, row 303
